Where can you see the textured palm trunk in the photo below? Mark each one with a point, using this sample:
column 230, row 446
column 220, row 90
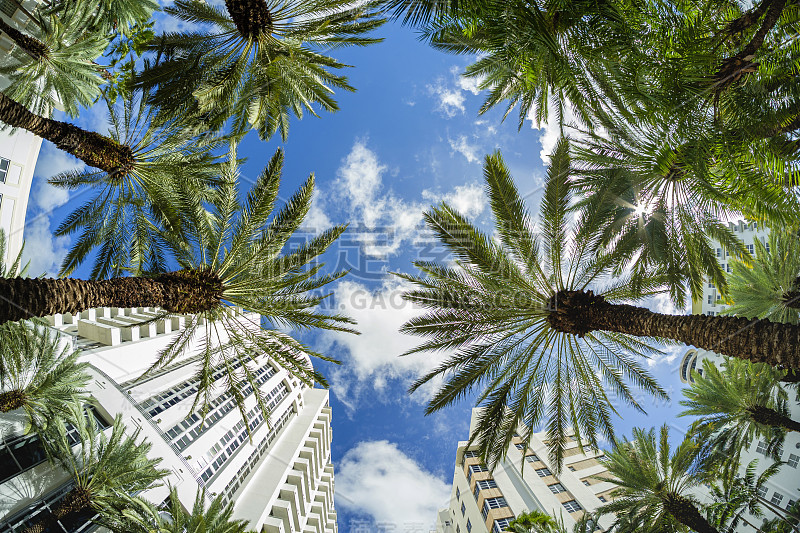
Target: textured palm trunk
column 186, row 291
column 687, row 514
column 75, row 500
column 92, row 148
column 792, row 298
column 770, row 417
column 33, row 47
column 11, row 400
column 760, row 341
column 251, row 17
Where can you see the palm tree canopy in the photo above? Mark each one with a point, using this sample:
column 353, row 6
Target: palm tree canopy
column 731, row 402
column 107, row 16
column 655, row 482
column 108, row 470
column 62, row 72
column 16, row 268
column 497, row 308
column 769, row 286
column 232, row 250
column 257, row 62
column 536, row 522
column 131, row 206
column 39, row 374
column 735, row 494
column 148, row 518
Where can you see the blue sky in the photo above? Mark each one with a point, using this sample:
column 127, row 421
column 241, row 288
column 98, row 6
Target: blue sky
column 409, row 136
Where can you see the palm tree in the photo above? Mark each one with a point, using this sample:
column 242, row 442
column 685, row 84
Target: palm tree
column 107, row 16
column 655, row 483
column 256, row 60
column 734, row 494
column 769, row 287
column 147, row 518
column 16, row 268
column 106, row 470
column 229, row 255
column 536, row 522
column 738, row 404
column 38, row 374
column 57, row 64
column 534, row 321
column 124, row 218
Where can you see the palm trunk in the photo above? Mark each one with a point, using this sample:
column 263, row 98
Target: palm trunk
column 186, row 291
column 33, row 47
column 759, row 341
column 792, row 297
column 771, row 417
column 251, row 17
column 92, row 148
column 75, row 500
column 684, row 511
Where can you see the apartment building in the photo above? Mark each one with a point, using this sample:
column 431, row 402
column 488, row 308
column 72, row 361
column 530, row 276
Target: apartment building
column 18, row 150
column 280, row 480
column 484, row 501
column 711, row 302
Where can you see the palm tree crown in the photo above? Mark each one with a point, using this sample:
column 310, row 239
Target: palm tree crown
column 769, row 287
column 655, row 482
column 38, row 374
column 501, row 309
column 738, row 404
column 256, row 60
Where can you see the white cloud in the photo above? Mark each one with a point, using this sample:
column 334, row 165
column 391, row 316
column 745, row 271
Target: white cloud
column 462, row 146
column 450, row 100
column 464, row 83
column 48, row 197
column 53, row 161
column 375, row 478
column 316, row 221
column 387, row 221
column 468, row 199
column 373, row 358
column 44, row 251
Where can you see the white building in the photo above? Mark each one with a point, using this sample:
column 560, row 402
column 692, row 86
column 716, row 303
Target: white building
column 711, row 302
column 525, row 480
column 18, row 150
column 281, row 480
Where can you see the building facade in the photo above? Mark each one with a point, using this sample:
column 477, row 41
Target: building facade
column 18, row 150
column 484, row 501
column 279, row 476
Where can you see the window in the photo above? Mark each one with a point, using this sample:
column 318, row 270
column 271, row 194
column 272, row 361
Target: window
column 719, row 252
column 710, row 285
column 469, row 526
column 571, row 468
column 790, row 504
column 762, row 491
column 728, row 267
column 572, row 506
column 532, row 458
column 542, row 472
column 777, row 498
column 501, row 525
column 470, row 454
column 750, row 249
column 793, row 460
column 3, row 169
column 476, row 468
column 463, row 508
column 586, row 482
column 458, row 528
column 458, row 493
column 495, row 503
column 520, row 446
column 602, row 499
column 555, row 488
column 761, row 448
column 484, row 484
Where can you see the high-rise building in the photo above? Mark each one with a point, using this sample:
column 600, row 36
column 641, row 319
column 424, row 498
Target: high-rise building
column 484, row 501
column 711, row 302
column 279, row 476
column 18, row 150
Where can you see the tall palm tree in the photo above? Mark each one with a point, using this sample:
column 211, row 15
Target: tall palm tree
column 107, row 470
column 256, row 60
column 123, row 220
column 229, row 256
column 535, row 319
column 769, row 287
column 536, row 522
column 742, row 402
column 56, row 66
column 147, row 518
column 38, row 374
column 16, row 268
column 655, row 483
column 107, row 16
